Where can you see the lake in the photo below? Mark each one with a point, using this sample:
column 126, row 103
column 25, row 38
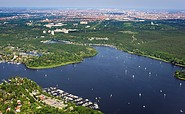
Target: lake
column 121, row 83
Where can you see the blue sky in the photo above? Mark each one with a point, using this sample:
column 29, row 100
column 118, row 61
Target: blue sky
column 135, row 4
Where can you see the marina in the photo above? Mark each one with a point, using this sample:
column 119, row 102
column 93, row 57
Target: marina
column 54, row 91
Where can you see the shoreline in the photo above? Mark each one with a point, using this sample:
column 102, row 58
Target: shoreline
column 183, row 79
column 53, row 66
column 159, row 59
column 62, row 64
column 151, row 57
column 106, row 45
column 130, row 52
column 180, row 74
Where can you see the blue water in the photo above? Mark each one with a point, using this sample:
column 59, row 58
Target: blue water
column 123, row 83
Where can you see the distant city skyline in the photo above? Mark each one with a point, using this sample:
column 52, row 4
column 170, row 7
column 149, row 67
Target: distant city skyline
column 131, row 4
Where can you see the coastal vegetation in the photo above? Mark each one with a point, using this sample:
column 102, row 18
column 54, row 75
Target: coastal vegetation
column 180, row 74
column 22, row 95
column 163, row 41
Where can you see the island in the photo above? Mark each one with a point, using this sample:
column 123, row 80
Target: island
column 22, row 95
column 180, row 74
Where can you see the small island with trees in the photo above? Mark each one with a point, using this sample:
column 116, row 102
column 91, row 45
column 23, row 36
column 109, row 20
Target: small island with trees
column 180, row 74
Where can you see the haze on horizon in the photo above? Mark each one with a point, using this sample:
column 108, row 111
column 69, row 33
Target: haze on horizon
column 131, row 4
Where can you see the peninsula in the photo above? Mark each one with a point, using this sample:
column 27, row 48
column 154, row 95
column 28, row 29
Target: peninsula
column 180, row 74
column 22, row 95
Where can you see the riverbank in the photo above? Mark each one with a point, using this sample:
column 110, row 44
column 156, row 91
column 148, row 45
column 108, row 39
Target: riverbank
column 156, row 58
column 180, row 74
column 131, row 52
column 144, row 55
column 53, row 66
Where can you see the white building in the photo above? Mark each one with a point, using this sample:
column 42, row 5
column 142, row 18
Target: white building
column 49, row 25
column 44, row 32
column 62, row 30
column 52, row 32
column 87, row 26
column 54, row 25
column 66, row 31
column 83, row 22
column 75, row 24
column 152, row 23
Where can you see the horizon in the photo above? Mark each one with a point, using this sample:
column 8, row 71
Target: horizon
column 89, row 8
column 126, row 4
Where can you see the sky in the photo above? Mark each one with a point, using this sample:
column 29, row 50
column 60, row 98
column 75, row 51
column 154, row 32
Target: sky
column 131, row 4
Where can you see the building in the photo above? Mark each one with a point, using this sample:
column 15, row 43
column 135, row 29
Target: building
column 18, row 102
column 152, row 23
column 44, row 32
column 75, row 24
column 49, row 25
column 64, row 30
column 18, row 109
column 87, row 26
column 83, row 22
column 52, row 32
column 41, row 97
column 54, row 25
column 8, row 109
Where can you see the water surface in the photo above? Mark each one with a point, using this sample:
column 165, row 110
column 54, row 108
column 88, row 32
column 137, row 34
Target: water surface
column 122, row 82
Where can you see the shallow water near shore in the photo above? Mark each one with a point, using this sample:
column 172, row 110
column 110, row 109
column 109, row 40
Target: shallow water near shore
column 121, row 83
